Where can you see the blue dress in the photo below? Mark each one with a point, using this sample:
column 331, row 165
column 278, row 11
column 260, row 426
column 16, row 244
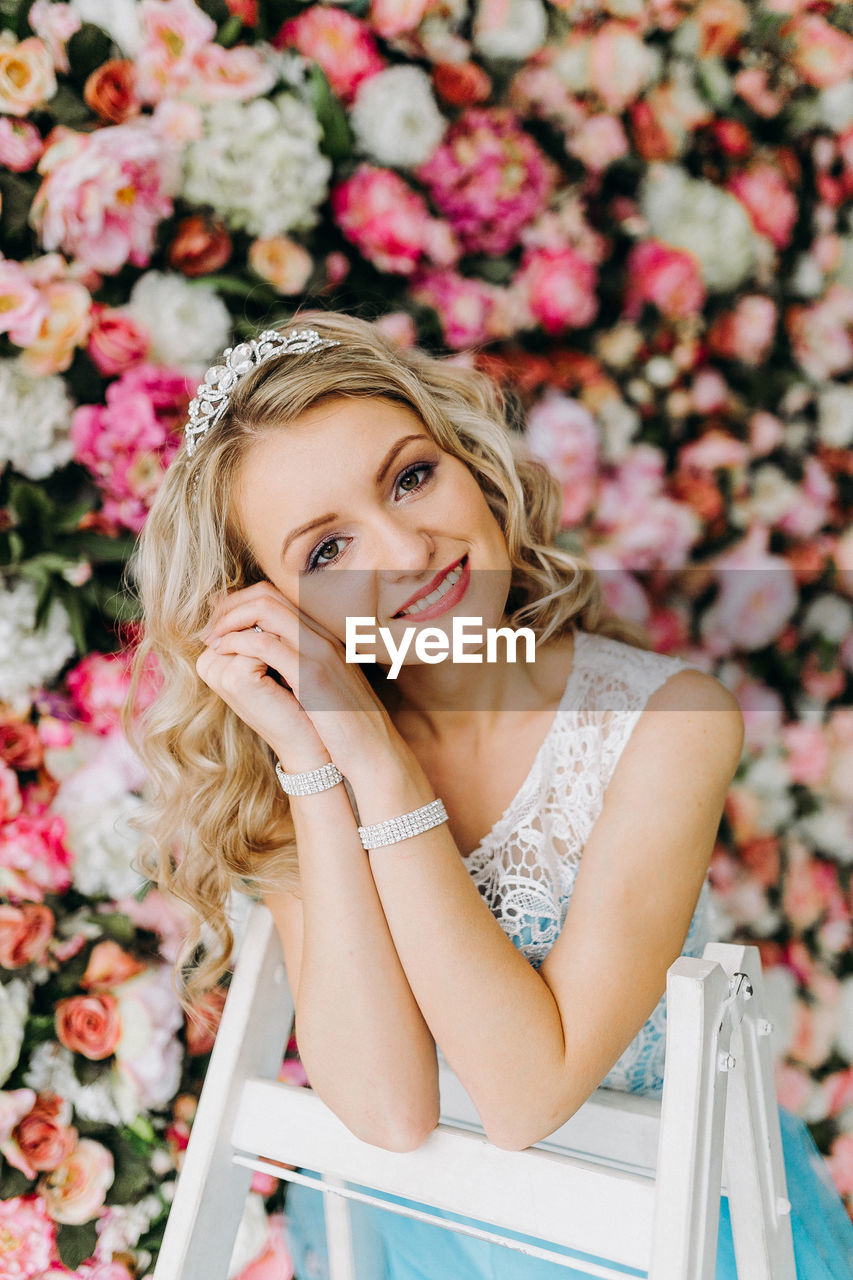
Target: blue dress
column 525, row 869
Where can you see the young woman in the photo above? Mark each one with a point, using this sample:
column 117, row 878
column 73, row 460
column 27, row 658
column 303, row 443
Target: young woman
column 419, row 840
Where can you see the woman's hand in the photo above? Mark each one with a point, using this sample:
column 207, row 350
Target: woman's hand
column 326, row 707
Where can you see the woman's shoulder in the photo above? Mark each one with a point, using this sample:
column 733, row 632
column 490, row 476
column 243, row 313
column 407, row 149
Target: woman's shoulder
column 620, row 675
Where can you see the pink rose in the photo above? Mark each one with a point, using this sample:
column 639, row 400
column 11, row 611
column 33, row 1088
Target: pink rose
column 116, row 340
column 23, row 308
column 342, row 44
column 25, row 932
column 20, row 144
column 43, row 1138
column 769, row 201
column 390, row 18
column 598, row 142
column 820, row 333
column 808, row 753
column 668, row 278
column 63, row 328
column 90, row 1025
column 75, row 1190
column 822, row 55
column 746, row 333
column 19, row 744
column 559, row 288
column 28, row 1232
column 757, row 596
column 109, row 965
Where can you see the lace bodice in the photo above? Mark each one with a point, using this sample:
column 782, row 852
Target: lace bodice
column 525, row 867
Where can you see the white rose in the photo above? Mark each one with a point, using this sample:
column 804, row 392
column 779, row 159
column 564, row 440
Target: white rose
column 829, row 616
column 395, row 118
column 523, row 30
column 189, row 324
column 14, row 1007
column 835, row 415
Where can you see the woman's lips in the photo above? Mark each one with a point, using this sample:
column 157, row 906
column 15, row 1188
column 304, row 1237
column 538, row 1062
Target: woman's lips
column 445, row 602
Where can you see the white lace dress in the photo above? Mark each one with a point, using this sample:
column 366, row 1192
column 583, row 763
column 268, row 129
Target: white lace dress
column 525, row 867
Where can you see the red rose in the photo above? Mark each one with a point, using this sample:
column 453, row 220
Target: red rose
column 89, row 1025
column 110, row 91
column 461, row 84
column 43, row 1137
column 201, row 245
column 20, row 747
column 25, row 932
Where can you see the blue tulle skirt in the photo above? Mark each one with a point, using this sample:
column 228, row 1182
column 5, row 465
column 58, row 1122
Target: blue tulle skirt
column 388, row 1246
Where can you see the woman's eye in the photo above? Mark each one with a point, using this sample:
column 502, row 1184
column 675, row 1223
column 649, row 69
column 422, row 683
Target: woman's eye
column 318, row 561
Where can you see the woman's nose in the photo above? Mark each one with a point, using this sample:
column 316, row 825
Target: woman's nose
column 401, row 549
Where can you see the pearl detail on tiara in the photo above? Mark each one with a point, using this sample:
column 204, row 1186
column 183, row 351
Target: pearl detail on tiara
column 213, row 394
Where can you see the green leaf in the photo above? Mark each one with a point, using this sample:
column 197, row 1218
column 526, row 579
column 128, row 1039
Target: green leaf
column 132, row 1170
column 116, row 925
column 77, row 1243
column 89, row 48
column 17, row 193
column 68, row 108
column 337, row 140
column 229, row 33
column 76, row 620
column 99, row 548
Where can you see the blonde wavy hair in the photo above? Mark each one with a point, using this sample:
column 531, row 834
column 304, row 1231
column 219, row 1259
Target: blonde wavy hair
column 214, row 817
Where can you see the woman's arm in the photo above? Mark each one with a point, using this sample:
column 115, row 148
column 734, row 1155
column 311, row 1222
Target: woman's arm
column 362, row 1038
column 530, row 1047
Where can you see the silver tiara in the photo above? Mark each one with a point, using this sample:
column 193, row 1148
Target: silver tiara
column 211, row 398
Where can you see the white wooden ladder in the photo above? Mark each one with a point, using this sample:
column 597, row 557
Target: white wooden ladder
column 654, row 1167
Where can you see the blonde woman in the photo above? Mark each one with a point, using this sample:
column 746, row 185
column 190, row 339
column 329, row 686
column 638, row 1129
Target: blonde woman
column 496, row 861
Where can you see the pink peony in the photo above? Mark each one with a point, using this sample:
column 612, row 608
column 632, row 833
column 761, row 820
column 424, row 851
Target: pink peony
column 104, row 193
column 757, row 596
column 10, row 793
column 233, row 75
column 470, row 311
column 618, row 64
column 646, row 529
column 99, row 685
column 173, row 32
column 822, row 55
column 28, row 1235
column 821, row 334
column 745, row 333
column 489, row 178
column 20, row 144
column 128, row 443
column 559, row 288
column 55, row 24
column 769, row 201
column 812, row 512
column 389, row 222
column 808, row 753
column 342, row 44
column 75, row 1190
column 668, row 278
column 33, row 857
column 22, row 306
column 598, row 142
column 563, row 434
column 116, row 340
column 390, row 18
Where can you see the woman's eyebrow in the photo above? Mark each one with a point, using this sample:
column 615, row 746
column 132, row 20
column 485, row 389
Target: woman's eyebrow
column 333, row 515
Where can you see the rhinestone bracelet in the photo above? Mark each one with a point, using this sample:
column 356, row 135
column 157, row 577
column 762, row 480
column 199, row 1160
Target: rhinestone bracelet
column 306, row 784
column 408, row 824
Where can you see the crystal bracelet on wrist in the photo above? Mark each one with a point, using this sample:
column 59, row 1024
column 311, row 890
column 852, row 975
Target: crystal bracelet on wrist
column 307, row 784
column 408, row 824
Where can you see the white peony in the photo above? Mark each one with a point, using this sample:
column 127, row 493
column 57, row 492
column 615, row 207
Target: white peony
column 189, row 324
column 620, row 424
column 828, row 830
column 108, row 1100
column 697, row 216
column 395, row 118
column 14, row 1007
column 121, row 19
column 830, row 616
column 523, row 30
column 30, row 659
column 835, row 415
column 835, row 106
column 259, row 165
column 35, row 421
column 95, row 802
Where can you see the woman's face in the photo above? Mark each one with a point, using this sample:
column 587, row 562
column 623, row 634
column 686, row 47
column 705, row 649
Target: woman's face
column 388, row 509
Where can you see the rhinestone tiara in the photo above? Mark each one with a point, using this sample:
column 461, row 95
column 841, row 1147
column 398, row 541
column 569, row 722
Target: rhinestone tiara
column 213, row 394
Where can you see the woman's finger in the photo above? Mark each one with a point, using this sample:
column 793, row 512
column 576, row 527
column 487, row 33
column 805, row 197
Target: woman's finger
column 273, row 614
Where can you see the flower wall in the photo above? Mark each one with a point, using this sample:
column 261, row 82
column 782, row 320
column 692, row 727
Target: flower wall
column 638, row 216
